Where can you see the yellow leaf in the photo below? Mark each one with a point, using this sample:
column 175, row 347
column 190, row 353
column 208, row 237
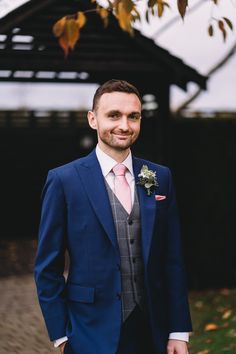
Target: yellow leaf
column 182, row 4
column 211, row 327
column 64, row 44
column 81, row 19
column 59, row 27
column 72, row 32
column 226, row 314
column 103, row 13
column 128, row 5
column 206, row 351
column 160, row 8
column 124, row 18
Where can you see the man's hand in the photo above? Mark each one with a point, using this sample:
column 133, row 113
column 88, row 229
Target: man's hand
column 175, row 346
column 62, row 347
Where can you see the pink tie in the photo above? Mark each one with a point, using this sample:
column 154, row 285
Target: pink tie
column 122, row 188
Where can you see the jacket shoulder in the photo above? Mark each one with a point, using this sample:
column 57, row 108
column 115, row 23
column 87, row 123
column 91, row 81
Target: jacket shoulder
column 154, row 166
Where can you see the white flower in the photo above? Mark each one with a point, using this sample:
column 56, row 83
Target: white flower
column 147, row 179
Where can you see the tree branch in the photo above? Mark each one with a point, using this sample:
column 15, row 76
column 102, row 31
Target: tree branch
column 216, row 67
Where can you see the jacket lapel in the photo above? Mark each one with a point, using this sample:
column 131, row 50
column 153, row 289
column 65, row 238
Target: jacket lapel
column 90, row 173
column 147, row 211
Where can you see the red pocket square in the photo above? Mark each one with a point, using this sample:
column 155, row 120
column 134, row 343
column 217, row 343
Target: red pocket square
column 160, row 197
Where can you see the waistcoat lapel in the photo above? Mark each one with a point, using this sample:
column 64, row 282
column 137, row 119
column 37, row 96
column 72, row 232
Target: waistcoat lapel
column 93, row 181
column 147, row 212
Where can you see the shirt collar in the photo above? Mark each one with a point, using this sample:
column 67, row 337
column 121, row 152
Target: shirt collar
column 107, row 162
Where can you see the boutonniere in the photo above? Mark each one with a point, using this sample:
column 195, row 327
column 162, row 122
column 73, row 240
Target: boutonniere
column 147, row 179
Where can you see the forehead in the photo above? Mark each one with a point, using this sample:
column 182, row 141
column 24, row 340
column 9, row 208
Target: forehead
column 120, row 101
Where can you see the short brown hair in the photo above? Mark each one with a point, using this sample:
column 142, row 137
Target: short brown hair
column 114, row 86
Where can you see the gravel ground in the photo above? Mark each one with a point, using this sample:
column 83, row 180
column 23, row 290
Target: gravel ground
column 22, row 328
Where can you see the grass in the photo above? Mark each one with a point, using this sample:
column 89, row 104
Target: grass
column 214, row 321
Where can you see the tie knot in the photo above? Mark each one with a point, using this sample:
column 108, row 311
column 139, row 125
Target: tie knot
column 119, row 169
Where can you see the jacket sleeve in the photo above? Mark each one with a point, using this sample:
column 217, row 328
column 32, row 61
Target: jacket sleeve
column 179, row 314
column 50, row 258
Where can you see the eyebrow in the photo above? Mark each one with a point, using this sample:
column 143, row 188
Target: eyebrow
column 116, row 111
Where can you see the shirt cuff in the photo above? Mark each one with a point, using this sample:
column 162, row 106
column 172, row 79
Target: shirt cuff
column 179, row 336
column 59, row 341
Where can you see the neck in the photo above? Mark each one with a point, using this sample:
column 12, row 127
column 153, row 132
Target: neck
column 117, row 155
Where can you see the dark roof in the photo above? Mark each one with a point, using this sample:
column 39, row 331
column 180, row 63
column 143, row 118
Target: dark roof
column 102, row 53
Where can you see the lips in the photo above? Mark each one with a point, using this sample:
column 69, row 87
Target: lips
column 122, row 135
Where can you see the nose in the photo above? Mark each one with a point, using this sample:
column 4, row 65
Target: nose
column 124, row 123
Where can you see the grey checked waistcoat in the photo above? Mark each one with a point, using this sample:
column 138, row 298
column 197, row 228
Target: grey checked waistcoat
column 128, row 230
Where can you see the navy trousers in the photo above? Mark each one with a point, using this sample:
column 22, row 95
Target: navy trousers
column 135, row 336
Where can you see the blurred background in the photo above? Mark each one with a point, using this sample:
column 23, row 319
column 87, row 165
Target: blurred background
column 188, row 84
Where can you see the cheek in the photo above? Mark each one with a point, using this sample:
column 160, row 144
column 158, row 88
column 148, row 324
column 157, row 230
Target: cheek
column 135, row 129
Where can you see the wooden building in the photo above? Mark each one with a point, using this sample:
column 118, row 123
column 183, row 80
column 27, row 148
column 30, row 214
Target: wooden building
column 31, row 143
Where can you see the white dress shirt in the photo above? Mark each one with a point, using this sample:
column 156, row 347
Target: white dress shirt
column 107, row 163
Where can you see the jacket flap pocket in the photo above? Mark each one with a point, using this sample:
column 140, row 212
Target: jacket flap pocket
column 80, row 293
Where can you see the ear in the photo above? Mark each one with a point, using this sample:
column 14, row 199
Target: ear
column 92, row 120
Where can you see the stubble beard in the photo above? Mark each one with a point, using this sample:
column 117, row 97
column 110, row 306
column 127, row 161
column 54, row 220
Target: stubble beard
column 111, row 141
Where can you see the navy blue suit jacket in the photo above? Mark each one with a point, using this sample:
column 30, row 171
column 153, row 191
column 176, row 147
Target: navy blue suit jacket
column 77, row 216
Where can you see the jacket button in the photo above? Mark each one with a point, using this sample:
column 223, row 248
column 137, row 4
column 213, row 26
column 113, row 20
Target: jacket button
column 118, row 295
column 118, row 267
column 130, row 222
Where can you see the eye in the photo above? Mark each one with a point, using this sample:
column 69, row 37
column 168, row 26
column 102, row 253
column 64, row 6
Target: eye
column 113, row 115
column 134, row 117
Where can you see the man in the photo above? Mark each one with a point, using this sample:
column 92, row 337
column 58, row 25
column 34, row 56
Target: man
column 117, row 217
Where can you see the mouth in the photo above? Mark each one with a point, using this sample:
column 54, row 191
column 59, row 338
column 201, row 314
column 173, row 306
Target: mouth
column 122, row 136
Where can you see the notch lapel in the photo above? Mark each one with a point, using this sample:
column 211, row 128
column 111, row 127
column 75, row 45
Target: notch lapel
column 92, row 178
column 147, row 211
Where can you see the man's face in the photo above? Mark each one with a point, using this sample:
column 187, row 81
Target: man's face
column 117, row 120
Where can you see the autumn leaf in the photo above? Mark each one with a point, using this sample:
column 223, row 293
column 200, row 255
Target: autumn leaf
column 229, row 23
column 59, row 27
column 67, row 30
column 128, row 5
column 206, row 351
column 198, row 304
column 103, row 13
column 124, row 18
column 152, row 3
column 211, row 327
column 156, row 6
column 147, row 16
column 225, row 292
column 222, row 29
column 226, row 314
column 81, row 19
column 182, row 4
column 64, row 44
column 160, row 8
column 210, row 31
column 72, row 31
